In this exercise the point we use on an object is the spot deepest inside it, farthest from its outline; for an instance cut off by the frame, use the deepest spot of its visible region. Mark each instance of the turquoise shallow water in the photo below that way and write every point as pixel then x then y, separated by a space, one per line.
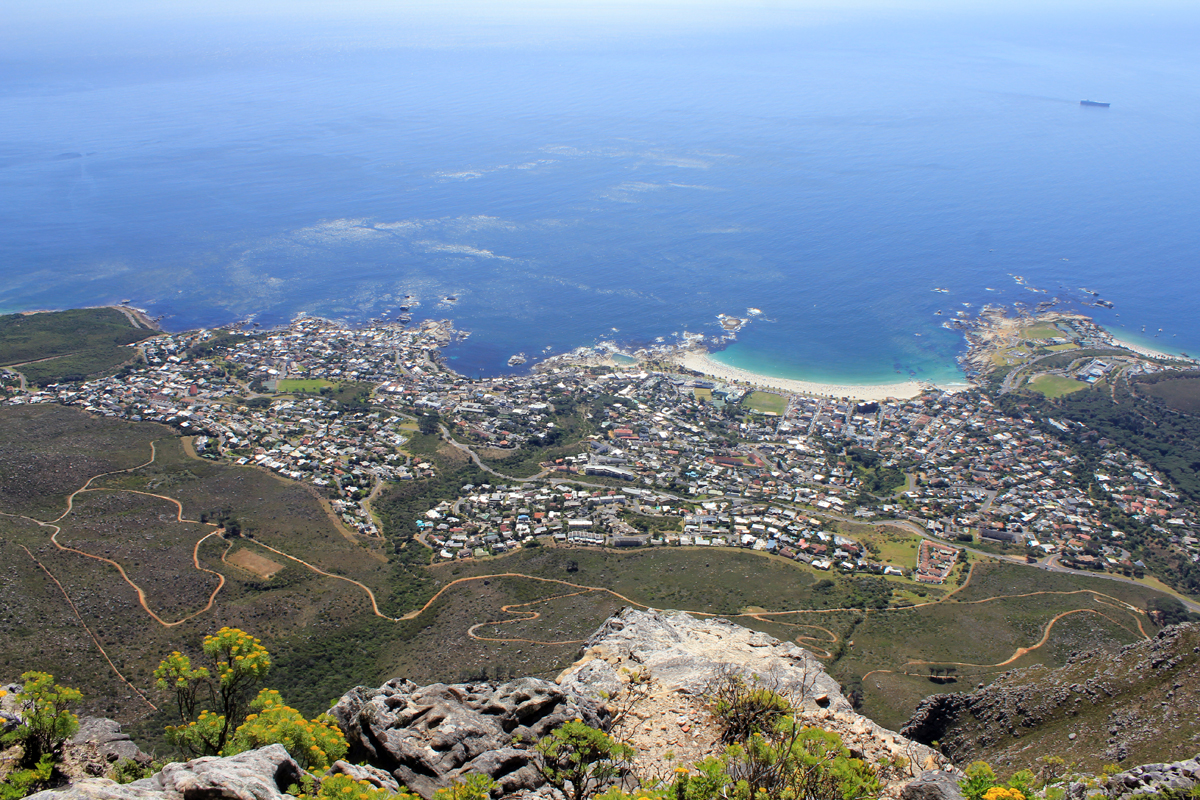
pixel 616 187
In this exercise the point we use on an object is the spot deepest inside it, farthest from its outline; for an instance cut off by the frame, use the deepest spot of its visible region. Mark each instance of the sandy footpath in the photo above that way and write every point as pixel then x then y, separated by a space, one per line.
pixel 702 362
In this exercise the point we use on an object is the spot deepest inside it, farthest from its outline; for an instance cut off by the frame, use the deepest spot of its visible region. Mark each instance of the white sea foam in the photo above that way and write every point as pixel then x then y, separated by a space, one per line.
pixel 335 230
pixel 459 249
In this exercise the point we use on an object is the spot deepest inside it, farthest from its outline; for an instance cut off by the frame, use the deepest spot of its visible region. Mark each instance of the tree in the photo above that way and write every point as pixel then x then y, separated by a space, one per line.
pixel 221 694
pixel 428 423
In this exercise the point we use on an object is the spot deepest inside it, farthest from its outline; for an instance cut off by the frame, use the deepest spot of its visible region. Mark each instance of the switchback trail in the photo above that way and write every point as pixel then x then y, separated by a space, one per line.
pixel 1023 651
pixel 140 593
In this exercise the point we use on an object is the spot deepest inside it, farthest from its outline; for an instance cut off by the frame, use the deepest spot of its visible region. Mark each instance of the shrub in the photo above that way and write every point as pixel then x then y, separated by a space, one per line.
pixel 469 787
pixel 1002 793
pixel 980 778
pixel 46 718
pixel 579 760
pixel 24 782
pixel 743 708
pixel 314 744
pixel 1052 768
pixel 127 771
pixel 343 787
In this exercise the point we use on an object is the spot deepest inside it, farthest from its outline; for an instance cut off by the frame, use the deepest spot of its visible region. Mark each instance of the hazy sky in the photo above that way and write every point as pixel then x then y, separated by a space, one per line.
pixel 37 30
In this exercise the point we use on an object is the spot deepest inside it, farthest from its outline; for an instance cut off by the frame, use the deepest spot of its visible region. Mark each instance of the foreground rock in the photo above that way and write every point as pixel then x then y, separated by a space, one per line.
pixel 263 774
pixel 426 736
pixel 683 654
pixel 97 747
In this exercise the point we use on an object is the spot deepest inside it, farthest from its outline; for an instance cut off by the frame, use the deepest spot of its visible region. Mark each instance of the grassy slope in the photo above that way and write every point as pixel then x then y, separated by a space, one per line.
pixel 294 611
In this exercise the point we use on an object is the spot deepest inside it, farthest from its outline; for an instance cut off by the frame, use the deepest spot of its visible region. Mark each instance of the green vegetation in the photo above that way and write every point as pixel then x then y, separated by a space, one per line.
pixel 289 385
pixel 744 708
pixel 876 477
pixel 315 744
pixel 579 760
pixel 653 525
pixel 212 704
pixel 765 402
pixel 1054 386
pixel 1181 392
pixel 46 723
pixel 78 343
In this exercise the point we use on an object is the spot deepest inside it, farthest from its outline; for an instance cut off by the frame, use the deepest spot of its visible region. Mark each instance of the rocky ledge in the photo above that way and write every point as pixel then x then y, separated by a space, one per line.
pixel 682 654
pixel 1179 778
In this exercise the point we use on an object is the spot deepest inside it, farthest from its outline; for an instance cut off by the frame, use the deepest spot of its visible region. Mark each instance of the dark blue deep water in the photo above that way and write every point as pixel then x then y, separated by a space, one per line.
pixel 568 188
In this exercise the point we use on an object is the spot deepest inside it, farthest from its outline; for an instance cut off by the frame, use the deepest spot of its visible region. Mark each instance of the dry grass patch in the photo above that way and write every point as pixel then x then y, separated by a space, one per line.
pixel 250 561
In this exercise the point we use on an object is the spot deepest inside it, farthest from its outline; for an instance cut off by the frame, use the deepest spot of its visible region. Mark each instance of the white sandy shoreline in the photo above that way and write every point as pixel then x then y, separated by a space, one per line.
pixel 704 363
pixel 1147 351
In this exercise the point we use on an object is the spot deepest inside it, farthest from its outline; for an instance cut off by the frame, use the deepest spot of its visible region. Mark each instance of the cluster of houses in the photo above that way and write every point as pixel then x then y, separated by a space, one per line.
pixel 934 562
pixel 651 444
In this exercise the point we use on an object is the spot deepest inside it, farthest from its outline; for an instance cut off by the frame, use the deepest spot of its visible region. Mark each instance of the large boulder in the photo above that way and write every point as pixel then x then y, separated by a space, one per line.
pixel 97 747
pixel 426 736
pixel 933 784
pixel 683 655
pixel 263 774
pixel 108 740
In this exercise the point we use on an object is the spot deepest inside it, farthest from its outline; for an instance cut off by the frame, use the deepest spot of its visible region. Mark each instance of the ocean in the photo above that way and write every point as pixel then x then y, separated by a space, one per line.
pixel 549 188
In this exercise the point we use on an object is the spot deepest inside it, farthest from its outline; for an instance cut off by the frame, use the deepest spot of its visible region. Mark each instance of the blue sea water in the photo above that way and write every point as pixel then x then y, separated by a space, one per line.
pixel 568 188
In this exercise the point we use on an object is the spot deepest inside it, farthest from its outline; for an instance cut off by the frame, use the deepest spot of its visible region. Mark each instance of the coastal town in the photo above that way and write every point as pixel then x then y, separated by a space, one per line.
pixel 575 454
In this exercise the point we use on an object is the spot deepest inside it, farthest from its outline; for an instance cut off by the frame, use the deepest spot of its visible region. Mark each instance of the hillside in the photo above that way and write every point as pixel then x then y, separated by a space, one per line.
pixel 70 345
pixel 1131 705
pixel 520 614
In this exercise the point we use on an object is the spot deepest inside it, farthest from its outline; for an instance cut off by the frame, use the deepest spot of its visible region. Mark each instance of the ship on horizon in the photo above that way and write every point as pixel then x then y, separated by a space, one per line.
pixel 1095 103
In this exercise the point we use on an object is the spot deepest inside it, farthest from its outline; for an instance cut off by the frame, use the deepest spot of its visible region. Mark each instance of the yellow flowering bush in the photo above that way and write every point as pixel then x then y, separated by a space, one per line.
pixel 1002 793
pixel 468 787
pixel 315 744
pixel 343 787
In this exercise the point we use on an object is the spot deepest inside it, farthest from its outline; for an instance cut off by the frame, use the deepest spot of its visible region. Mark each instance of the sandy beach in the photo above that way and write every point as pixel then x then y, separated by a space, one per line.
pixel 702 362
pixel 1146 351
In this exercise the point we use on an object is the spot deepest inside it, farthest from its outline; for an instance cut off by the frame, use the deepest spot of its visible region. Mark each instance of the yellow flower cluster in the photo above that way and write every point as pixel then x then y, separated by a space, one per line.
pixel 1002 793
pixel 342 787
